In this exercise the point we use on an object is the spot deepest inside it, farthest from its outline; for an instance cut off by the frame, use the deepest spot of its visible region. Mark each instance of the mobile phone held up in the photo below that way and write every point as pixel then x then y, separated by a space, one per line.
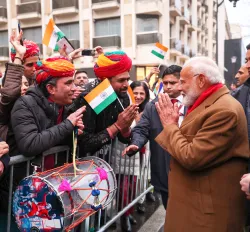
pixel 88 52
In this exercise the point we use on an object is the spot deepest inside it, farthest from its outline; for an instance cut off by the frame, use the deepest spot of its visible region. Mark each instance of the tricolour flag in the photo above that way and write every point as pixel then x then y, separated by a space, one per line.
pixel 101 96
pixel 158 87
pixel 52 35
pixel 159 50
pixel 131 95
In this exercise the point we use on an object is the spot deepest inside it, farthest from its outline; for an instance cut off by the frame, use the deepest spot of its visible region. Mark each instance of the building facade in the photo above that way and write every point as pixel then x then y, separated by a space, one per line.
pixel 186 27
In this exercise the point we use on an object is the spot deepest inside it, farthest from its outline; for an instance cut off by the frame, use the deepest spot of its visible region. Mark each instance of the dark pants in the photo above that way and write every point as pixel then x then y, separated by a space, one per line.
pixel 164 197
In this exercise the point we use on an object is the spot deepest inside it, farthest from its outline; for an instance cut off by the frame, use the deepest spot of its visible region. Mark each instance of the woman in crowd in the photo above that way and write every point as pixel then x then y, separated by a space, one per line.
pixel 128 170
pixel 142 96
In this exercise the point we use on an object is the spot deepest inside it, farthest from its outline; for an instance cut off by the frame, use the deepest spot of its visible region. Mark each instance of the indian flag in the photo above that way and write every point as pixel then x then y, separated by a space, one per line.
pixel 52 35
pixel 101 96
pixel 158 87
pixel 159 50
pixel 131 95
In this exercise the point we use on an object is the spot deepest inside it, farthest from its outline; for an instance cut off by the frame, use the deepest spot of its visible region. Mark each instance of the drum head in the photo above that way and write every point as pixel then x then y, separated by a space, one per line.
pixel 36 206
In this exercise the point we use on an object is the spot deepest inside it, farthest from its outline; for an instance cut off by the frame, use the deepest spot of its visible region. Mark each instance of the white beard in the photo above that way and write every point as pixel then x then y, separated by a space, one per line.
pixel 190 97
pixel 188 100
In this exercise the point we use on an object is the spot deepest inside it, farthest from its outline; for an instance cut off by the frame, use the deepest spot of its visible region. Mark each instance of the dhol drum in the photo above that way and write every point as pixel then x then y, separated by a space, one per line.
pixel 58 200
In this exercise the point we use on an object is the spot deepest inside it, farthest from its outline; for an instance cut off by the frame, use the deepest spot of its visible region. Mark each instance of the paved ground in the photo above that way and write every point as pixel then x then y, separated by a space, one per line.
pixel 153 218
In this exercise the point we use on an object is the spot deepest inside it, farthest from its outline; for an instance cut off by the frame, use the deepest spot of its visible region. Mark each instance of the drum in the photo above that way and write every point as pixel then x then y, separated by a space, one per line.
pixel 57 199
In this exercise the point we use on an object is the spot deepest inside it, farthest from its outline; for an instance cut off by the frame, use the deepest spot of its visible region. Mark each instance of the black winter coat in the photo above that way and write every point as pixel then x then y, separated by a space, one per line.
pixel 33 128
pixel 242 94
pixel 147 129
pixel 95 134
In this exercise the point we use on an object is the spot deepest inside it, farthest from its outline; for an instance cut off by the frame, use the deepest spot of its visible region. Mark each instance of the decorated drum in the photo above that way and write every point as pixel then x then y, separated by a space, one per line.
pixel 59 199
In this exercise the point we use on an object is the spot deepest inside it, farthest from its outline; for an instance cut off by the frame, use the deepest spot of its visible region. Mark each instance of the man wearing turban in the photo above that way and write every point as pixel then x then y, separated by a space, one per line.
pixel 113 121
pixel 40 120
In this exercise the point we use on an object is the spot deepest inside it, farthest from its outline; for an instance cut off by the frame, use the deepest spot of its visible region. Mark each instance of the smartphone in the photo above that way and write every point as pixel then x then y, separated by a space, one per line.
pixel 88 52
pixel 19 30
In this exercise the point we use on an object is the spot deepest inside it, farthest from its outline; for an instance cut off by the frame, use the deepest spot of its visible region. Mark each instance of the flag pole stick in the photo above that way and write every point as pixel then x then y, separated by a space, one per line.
pixel 159 66
pixel 120 102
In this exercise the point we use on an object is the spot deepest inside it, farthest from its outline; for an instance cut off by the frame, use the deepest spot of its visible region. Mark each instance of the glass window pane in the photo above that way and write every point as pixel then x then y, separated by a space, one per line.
pixel 3 3
pixel 4 41
pixel 34 34
pixel 147 23
pixel 140 73
pixel 105 27
pixel 71 30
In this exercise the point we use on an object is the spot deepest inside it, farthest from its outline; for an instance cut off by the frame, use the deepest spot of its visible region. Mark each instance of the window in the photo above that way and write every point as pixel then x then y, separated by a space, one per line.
pixel 147 23
pixel 106 27
pixel 71 30
pixel 3 3
pixel 34 34
pixel 4 41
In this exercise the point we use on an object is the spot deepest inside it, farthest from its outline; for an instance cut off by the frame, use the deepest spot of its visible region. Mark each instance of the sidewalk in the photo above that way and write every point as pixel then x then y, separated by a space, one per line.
pixel 152 220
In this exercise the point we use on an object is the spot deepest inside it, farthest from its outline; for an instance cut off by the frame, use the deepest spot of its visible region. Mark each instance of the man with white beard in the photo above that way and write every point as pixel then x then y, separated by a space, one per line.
pixel 209 153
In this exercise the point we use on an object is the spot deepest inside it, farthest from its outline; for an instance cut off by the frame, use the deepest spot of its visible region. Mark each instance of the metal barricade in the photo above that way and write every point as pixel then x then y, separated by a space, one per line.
pixel 133 174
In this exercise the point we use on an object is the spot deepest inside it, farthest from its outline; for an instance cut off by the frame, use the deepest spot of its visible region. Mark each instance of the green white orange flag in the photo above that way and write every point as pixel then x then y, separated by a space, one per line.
pixel 131 95
pixel 159 50
pixel 52 35
pixel 101 96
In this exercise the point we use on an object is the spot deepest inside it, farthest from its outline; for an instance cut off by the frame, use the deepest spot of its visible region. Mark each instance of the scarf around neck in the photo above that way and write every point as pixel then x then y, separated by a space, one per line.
pixel 212 89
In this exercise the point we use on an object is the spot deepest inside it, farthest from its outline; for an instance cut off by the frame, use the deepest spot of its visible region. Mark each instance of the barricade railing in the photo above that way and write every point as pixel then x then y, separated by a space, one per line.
pixel 132 175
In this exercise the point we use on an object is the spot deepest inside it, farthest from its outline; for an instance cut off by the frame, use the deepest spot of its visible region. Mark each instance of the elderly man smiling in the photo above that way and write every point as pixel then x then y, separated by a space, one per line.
pixel 209 153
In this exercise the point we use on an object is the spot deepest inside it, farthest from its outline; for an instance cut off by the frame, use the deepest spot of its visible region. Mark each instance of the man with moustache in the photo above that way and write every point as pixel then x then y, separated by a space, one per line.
pixel 150 126
pixel 40 121
pixel 209 152
pixel 115 120
pixel 112 121
pixel 81 78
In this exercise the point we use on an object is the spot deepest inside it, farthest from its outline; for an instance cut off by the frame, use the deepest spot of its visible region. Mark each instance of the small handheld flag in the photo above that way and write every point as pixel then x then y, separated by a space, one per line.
pixel 158 87
pixel 159 50
pixel 52 35
pixel 131 95
pixel 101 96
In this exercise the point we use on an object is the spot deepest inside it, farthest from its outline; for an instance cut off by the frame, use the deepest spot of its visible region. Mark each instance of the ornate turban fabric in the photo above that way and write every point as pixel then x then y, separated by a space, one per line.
pixel 32 49
pixel 111 64
pixel 54 67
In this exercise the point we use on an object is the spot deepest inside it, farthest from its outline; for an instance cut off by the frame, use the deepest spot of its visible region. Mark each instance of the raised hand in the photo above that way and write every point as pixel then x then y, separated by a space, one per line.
pixel 78 90
pixel 76 116
pixel 15 41
pixel 168 113
pixel 99 51
pixel 4 148
pixel 75 54
pixel 130 148
pixel 126 117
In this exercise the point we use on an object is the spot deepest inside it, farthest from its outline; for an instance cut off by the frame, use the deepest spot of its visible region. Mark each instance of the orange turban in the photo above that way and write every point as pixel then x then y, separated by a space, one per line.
pixel 54 67
pixel 111 64
pixel 32 49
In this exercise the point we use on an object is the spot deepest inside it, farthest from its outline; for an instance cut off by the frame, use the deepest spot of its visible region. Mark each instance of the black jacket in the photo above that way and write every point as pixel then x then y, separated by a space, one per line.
pixel 95 134
pixel 146 130
pixel 242 94
pixel 33 128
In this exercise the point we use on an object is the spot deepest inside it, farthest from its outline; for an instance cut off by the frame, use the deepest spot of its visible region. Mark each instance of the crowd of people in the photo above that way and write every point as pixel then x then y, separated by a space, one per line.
pixel 196 133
